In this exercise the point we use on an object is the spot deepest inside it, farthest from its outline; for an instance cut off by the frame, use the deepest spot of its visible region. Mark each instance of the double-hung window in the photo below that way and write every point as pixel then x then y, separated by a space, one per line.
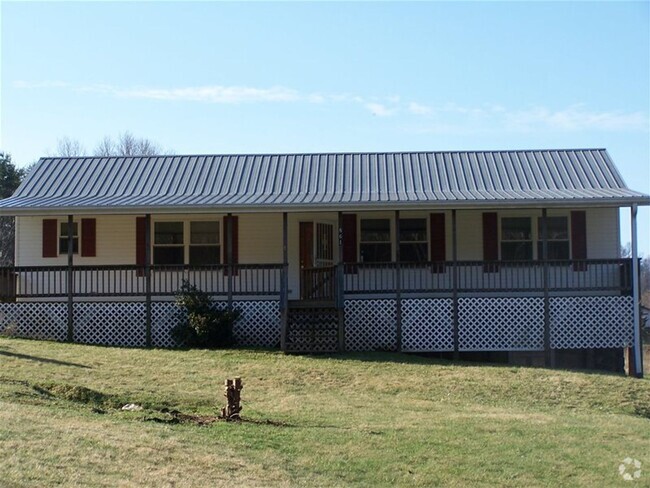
pixel 63 238
pixel 204 243
pixel 196 243
pixel 516 239
pixel 168 243
pixel 557 238
pixel 413 246
pixel 374 244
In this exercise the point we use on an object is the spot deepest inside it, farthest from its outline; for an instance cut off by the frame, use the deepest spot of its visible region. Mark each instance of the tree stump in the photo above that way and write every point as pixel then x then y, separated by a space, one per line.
pixel 232 393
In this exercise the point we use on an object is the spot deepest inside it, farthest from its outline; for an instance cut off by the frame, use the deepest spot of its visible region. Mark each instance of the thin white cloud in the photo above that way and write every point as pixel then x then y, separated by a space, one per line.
pixel 419 109
pixel 444 118
pixel 576 118
pixel 378 109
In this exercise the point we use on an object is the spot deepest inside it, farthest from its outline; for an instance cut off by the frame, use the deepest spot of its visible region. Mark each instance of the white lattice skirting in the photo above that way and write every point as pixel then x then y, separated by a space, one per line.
pixel 427 324
pixel 123 323
pixel 591 322
pixel 485 324
pixel 501 324
pixel 370 325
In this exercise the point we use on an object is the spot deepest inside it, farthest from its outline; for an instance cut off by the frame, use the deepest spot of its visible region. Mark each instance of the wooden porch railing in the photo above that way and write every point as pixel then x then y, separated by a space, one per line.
pixel 594 275
pixel 318 283
pixel 130 281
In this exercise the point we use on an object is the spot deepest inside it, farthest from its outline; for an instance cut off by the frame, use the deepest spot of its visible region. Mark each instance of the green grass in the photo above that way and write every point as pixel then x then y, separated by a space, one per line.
pixel 355 419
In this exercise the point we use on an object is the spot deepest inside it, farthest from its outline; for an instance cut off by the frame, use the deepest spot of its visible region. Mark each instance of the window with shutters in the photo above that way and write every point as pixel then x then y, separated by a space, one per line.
pixel 516 239
pixel 558 238
pixel 204 243
pixel 197 242
pixel 168 243
pixel 413 245
pixel 374 242
pixel 63 238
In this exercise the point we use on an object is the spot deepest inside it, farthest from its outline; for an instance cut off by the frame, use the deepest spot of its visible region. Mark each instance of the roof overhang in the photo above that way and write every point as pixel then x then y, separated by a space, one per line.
pixel 17 211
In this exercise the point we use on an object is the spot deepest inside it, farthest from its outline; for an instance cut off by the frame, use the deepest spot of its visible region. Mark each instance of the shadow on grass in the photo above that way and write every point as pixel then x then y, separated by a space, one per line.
pixel 42 360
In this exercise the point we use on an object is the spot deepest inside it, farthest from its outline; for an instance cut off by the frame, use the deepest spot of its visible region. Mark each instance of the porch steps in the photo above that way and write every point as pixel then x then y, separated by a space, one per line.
pixel 312 326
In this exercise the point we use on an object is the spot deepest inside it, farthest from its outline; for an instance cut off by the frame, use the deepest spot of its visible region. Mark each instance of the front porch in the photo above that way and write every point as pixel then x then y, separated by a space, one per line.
pixel 441 306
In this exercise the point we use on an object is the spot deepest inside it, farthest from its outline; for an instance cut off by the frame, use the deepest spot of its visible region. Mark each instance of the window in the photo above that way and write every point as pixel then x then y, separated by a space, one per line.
pixel 63 238
pixel 204 243
pixel 516 239
pixel 168 241
pixel 413 244
pixel 558 238
pixel 374 244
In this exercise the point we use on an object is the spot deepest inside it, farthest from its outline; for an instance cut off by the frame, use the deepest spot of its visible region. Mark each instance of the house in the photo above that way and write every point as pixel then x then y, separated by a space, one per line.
pixel 513 251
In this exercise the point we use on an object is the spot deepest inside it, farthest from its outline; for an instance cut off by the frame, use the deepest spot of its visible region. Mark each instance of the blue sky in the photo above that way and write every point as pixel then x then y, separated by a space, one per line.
pixel 298 77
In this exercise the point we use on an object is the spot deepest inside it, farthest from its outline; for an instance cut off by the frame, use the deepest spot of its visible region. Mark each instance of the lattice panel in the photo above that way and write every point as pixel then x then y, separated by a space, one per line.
pixel 370 325
pixel 36 320
pixel 427 324
pixel 591 322
pixel 110 323
pixel 259 324
pixel 313 330
pixel 501 324
pixel 164 317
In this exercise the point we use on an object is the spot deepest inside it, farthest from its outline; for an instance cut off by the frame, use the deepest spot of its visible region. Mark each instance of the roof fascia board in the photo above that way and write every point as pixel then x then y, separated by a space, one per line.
pixel 469 205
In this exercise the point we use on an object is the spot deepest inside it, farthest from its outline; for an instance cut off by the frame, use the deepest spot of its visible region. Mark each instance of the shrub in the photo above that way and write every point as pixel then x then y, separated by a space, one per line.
pixel 201 324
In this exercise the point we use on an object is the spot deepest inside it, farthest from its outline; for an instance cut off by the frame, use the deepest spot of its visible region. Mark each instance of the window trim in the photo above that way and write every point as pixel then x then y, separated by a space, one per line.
pixel 426 241
pixel 538 239
pixel 60 224
pixel 187 236
pixel 391 230
pixel 535 235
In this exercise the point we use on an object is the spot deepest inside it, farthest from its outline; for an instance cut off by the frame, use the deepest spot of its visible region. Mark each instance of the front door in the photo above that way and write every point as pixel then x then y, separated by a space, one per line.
pixel 316 251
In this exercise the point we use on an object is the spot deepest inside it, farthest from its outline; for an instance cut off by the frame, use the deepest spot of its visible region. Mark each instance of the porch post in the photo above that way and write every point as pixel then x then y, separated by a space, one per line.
pixel 70 277
pixel 638 356
pixel 284 286
pixel 398 285
pixel 454 282
pixel 340 284
pixel 229 258
pixel 147 277
pixel 548 354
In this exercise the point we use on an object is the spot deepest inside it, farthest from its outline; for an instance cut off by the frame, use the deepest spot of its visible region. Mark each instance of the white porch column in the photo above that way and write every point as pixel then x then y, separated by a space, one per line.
pixel 638 356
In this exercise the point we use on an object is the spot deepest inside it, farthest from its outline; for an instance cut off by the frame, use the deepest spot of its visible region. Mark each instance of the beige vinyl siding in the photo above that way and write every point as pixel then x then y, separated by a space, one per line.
pixel 260 237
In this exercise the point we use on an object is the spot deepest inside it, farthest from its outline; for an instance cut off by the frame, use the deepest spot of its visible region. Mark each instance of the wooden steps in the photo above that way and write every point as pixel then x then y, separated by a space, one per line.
pixel 312 326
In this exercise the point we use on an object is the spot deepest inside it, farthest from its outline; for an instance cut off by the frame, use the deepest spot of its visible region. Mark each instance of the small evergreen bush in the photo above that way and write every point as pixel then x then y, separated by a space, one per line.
pixel 201 324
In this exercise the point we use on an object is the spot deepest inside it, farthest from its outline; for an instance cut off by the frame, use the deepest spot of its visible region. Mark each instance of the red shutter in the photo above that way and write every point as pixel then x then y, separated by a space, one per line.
pixel 579 239
pixel 231 225
pixel 350 241
pixel 89 238
pixel 50 238
pixel 438 242
pixel 490 241
pixel 140 243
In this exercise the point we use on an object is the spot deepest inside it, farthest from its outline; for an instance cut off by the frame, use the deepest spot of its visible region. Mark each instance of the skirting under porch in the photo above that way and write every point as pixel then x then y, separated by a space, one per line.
pixel 427 324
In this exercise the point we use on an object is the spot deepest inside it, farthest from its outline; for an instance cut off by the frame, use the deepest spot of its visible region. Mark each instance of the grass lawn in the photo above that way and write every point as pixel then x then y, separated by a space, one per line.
pixel 354 419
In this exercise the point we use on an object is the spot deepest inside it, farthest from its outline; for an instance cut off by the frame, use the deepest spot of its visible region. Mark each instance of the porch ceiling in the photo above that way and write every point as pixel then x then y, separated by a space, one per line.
pixel 320 182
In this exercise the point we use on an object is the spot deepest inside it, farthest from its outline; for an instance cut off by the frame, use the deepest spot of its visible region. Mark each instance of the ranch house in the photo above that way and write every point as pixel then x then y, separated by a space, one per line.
pixel 502 252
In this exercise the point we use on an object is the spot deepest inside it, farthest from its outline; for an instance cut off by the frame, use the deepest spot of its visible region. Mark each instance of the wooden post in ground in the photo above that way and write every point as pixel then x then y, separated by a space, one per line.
pixel 147 274
pixel 284 285
pixel 398 285
pixel 340 285
pixel 70 280
pixel 454 283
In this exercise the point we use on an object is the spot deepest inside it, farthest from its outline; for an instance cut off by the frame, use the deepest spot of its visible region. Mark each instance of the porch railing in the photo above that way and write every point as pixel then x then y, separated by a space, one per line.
pixel 318 283
pixel 129 280
pixel 594 275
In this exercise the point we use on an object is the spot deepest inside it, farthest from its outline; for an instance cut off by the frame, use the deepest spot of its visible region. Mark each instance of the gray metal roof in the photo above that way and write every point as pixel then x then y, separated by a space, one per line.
pixel 322 181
